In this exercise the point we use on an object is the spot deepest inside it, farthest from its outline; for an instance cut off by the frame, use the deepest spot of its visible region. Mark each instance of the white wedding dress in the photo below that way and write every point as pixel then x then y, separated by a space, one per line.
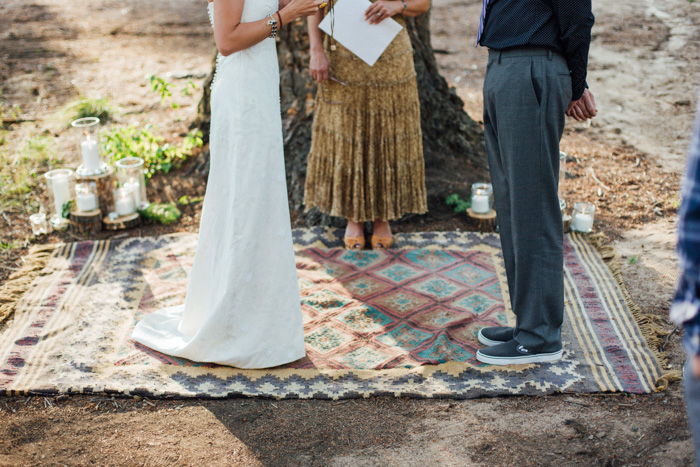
pixel 242 306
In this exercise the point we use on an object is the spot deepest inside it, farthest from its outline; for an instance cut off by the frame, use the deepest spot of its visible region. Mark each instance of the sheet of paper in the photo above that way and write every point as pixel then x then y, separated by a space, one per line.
pixel 353 31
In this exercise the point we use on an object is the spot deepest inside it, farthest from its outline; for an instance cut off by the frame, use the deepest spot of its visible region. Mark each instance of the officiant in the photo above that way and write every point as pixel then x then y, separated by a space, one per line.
pixel 366 158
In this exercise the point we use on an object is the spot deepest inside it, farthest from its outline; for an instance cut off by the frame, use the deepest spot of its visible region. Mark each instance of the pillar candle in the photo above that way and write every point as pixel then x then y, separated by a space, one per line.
pixel 480 204
pixel 135 188
pixel 86 201
pixel 124 203
pixel 61 193
pixel 583 222
pixel 91 154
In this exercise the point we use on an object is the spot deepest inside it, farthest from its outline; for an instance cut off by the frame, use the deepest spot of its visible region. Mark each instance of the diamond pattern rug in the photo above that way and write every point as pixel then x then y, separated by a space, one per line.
pixel 398 308
pixel 401 322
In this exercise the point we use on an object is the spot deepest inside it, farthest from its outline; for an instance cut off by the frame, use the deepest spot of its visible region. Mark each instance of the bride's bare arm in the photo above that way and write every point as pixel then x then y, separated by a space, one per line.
pixel 231 35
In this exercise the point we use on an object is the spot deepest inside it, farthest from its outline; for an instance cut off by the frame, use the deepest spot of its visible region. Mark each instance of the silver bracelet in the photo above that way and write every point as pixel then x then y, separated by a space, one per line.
pixel 272 22
pixel 404 6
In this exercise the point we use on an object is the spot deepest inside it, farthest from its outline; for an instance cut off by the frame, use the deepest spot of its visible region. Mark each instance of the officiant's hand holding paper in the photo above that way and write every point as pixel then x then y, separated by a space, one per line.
pixel 382 9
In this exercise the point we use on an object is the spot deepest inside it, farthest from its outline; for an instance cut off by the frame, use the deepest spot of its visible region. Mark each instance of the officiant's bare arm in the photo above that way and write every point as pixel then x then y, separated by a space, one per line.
pixel 382 9
pixel 318 62
pixel 231 35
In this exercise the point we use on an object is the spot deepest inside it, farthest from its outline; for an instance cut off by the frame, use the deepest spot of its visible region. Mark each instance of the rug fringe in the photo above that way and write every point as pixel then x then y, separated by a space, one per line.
pixel 18 283
pixel 648 324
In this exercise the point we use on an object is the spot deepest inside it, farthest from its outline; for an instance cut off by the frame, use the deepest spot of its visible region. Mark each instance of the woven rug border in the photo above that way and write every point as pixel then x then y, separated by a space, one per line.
pixel 648 323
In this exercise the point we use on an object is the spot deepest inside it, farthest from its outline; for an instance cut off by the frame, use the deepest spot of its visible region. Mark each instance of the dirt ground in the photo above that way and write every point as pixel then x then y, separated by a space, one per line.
pixel 643 72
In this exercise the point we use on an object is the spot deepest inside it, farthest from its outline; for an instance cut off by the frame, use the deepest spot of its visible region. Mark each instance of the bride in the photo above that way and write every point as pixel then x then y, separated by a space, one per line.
pixel 242 306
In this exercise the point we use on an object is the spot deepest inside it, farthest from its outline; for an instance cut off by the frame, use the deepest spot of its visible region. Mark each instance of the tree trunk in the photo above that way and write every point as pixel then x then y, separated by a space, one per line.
pixel 452 142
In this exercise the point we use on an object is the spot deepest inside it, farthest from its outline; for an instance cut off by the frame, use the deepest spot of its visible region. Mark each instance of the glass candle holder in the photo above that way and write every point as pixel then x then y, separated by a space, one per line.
pixel 60 183
pixel 40 226
pixel 124 204
pixel 562 172
pixel 583 216
pixel 482 198
pixel 86 198
pixel 131 176
pixel 87 130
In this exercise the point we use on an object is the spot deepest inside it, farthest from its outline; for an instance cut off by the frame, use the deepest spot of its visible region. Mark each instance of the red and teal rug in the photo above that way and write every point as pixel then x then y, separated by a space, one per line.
pixel 401 322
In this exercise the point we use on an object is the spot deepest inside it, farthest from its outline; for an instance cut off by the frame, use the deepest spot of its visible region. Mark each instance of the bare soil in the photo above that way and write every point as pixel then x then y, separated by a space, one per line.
pixel 643 72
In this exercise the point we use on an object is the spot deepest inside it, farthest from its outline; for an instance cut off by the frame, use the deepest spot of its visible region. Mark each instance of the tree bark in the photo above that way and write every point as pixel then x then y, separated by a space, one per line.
pixel 452 142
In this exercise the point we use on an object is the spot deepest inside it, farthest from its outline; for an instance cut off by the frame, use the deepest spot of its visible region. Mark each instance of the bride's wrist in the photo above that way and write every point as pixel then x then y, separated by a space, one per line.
pixel 279 17
pixel 288 14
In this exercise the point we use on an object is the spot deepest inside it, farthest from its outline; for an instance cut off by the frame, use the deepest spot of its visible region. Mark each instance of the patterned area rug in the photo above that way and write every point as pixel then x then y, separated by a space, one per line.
pixel 401 322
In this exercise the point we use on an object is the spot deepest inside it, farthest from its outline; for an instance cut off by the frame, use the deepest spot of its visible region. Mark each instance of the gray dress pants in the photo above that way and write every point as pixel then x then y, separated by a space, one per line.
pixel 526 94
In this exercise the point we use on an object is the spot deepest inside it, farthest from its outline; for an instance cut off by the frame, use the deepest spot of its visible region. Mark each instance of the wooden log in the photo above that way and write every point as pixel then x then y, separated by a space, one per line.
pixel 86 223
pixel 482 222
pixel 123 222
pixel 104 186
pixel 567 222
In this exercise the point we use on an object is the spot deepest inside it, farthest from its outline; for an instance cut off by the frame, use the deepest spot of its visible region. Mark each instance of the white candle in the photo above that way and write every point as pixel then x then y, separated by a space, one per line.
pixel 86 201
pixel 125 204
pixel 39 224
pixel 61 193
pixel 91 155
pixel 135 188
pixel 583 222
pixel 480 204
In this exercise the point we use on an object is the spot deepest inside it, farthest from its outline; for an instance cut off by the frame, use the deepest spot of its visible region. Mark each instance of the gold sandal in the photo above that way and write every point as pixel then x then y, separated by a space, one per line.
pixel 381 243
pixel 354 243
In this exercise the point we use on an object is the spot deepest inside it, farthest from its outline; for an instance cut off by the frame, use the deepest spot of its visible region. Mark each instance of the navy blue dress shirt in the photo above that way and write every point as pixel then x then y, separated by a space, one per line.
pixel 561 25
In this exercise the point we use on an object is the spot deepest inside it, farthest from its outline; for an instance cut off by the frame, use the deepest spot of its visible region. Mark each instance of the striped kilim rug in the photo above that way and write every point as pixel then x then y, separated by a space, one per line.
pixel 401 322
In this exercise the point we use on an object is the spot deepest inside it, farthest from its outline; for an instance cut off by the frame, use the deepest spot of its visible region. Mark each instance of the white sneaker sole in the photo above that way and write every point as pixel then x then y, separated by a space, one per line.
pixel 520 360
pixel 486 341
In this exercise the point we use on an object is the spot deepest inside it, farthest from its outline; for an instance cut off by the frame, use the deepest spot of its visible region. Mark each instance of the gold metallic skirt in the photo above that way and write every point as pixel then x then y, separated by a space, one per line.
pixel 366 158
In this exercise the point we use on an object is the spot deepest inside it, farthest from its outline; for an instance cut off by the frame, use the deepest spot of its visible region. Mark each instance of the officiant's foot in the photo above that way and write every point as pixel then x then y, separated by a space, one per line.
pixel 381 235
pixel 354 236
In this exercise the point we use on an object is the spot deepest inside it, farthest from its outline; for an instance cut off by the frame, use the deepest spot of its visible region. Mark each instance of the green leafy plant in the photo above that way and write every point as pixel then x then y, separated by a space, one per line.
pixel 162 87
pixel 162 213
pixel 132 141
pixel 66 209
pixel 87 107
pixel 185 200
pixel 633 259
pixel 460 204
pixel 188 88
pixel 6 246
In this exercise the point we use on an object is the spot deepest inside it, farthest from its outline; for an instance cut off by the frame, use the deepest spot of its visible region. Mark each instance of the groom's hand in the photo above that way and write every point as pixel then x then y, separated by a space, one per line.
pixel 583 108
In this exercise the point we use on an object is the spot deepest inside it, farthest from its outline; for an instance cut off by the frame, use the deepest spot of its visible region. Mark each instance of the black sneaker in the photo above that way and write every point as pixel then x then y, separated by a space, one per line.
pixel 495 335
pixel 513 353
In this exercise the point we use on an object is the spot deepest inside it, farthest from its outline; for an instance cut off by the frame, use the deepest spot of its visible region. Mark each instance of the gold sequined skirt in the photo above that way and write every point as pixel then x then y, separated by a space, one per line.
pixel 366 159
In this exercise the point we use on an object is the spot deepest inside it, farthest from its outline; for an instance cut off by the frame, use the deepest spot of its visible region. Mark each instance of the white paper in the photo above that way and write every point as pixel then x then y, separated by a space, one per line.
pixel 353 31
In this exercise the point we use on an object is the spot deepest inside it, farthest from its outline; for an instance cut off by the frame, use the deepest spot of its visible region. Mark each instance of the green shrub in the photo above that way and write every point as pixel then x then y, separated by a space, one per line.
pixel 87 107
pixel 132 141
pixel 161 213
pixel 460 204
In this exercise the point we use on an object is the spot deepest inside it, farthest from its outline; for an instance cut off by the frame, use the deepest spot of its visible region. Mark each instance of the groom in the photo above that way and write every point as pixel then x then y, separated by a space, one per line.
pixel 536 74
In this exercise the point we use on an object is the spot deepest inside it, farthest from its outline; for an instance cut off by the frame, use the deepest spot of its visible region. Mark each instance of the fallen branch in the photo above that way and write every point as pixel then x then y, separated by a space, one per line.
pixel 596 179
pixel 11 121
